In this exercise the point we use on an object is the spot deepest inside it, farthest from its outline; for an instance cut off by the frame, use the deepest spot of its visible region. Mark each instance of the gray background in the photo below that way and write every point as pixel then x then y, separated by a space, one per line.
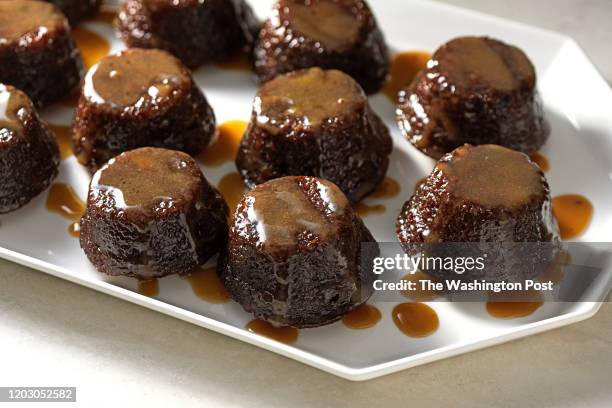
pixel 55 333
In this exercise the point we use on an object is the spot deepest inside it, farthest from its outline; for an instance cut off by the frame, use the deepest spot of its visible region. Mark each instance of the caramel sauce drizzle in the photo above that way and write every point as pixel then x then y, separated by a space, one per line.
pixel 206 285
pixel 74 229
pixel 64 201
pixel 515 309
pixel 402 70
pixel 225 147
pixel 148 287
pixel 92 45
pixel 418 294
pixel 388 188
pixel 415 319
pixel 232 189
pixel 573 213
pixel 362 317
pixel 282 334
pixel 541 161
pixel 364 209
pixel 63 137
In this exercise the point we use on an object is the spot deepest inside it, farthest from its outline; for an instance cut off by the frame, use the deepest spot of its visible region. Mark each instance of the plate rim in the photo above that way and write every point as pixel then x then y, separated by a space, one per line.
pixel 586 311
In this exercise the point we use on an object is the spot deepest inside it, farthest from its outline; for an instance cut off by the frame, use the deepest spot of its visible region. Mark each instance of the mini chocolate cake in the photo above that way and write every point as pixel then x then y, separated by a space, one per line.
pixel 315 123
pixel 481 194
pixel 37 53
pixel 195 31
pixel 78 10
pixel 296 255
pixel 340 34
pixel 150 213
pixel 475 90
pixel 139 98
pixel 29 155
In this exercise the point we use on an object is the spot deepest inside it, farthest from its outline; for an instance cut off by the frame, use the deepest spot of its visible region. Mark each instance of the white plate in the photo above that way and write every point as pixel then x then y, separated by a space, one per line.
pixel 578 105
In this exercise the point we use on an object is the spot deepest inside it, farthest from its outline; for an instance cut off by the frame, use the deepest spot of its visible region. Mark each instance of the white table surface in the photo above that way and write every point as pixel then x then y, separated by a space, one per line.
pixel 55 333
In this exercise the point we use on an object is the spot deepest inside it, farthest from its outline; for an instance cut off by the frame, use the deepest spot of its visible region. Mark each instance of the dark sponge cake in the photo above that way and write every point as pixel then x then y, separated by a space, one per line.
pixel 29 155
pixel 338 34
pixel 77 10
pixel 150 213
pixel 195 31
pixel 37 52
pixel 298 254
pixel 138 98
pixel 315 122
pixel 482 194
pixel 475 90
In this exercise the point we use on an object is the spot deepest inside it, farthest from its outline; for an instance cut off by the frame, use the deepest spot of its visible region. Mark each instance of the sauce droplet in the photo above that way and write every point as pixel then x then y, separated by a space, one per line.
pixel 419 294
pixel 64 201
pixel 389 188
pixel 92 45
pixel 62 135
pixel 148 287
pixel 362 317
pixel 283 334
pixel 541 161
pixel 206 285
pixel 74 229
pixel 516 308
pixel 404 67
pixel 573 213
pixel 364 209
pixel 240 61
pixel 225 146
pixel 415 319
pixel 231 188
pixel 105 16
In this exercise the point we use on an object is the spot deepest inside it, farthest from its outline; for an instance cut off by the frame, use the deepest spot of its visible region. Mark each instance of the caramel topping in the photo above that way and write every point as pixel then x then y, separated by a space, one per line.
pixel 519 304
pixel 63 200
pixel 133 76
pixel 364 209
pixel 63 138
pixel 146 176
pixel 492 176
pixel 231 186
pixel 402 70
pixel 282 334
pixel 14 104
pixel 388 188
pixel 282 210
pixel 225 147
pixel 20 17
pixel 206 285
pixel 362 317
pixel 92 45
pixel 324 21
pixel 573 213
pixel 541 160
pixel 148 287
pixel 415 319
pixel 310 97
pixel 468 61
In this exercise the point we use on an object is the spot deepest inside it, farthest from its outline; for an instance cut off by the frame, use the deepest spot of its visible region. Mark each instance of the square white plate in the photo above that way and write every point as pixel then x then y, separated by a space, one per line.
pixel 578 105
